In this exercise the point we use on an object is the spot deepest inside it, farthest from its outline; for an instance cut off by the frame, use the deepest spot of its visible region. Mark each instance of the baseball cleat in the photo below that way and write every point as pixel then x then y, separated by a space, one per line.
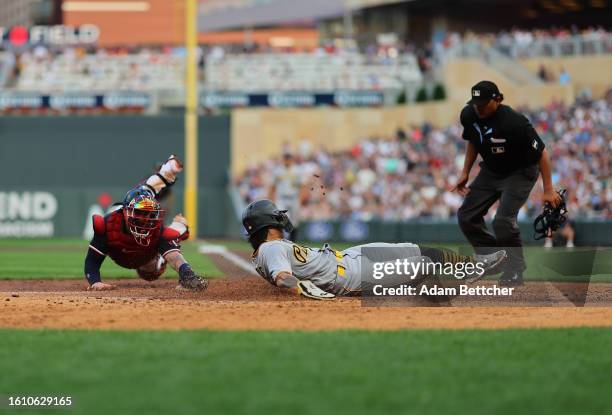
pixel 490 262
pixel 511 279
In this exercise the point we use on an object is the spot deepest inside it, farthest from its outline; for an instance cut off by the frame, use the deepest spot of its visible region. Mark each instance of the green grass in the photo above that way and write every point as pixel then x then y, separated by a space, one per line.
pixel 550 371
pixel 63 258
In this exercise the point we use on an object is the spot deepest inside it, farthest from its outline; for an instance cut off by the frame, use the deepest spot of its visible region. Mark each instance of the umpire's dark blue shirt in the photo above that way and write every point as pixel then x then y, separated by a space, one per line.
pixel 506 140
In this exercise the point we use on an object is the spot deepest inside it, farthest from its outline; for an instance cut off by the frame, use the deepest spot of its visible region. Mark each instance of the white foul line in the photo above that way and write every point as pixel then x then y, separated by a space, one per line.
pixel 230 256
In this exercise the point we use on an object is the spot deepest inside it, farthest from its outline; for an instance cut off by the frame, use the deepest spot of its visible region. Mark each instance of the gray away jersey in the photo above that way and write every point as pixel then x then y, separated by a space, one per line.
pixel 313 264
pixel 320 265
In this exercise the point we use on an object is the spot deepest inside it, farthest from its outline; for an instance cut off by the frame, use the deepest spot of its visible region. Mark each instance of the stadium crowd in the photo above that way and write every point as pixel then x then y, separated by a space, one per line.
pixel 222 68
pixel 318 70
pixel 407 176
pixel 519 43
pixel 95 69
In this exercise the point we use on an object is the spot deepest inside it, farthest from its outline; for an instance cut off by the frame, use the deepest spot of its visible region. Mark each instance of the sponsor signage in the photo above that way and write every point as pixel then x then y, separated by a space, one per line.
pixel 113 101
pixel 59 35
pixel 27 214
pixel 125 100
pixel 292 99
pixel 354 231
pixel 319 231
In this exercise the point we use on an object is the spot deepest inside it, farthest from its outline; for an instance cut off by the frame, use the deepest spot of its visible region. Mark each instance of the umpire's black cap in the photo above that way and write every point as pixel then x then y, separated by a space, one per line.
pixel 483 92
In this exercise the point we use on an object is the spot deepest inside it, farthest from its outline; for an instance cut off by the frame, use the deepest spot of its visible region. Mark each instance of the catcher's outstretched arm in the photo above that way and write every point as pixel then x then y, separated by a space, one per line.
pixel 93 263
pixel 166 175
pixel 305 288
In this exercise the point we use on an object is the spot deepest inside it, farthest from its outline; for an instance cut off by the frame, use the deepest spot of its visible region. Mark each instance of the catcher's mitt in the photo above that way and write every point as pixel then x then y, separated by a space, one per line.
pixel 551 219
pixel 188 280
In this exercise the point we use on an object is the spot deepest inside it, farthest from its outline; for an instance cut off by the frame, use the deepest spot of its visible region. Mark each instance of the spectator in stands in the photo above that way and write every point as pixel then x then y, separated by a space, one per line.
pixel 543 73
pixel 565 236
pixel 81 69
pixel 564 77
pixel 519 43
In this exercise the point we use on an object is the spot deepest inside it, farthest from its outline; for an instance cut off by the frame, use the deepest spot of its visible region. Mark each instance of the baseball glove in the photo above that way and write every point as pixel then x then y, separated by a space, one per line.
pixel 551 219
pixel 191 282
pixel 308 289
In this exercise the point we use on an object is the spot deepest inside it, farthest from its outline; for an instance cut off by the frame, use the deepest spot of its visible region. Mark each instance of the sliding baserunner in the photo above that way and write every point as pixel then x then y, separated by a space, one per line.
pixel 324 273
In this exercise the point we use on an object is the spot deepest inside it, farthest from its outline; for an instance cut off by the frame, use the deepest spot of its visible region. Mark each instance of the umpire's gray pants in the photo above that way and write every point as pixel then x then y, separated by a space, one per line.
pixel 512 191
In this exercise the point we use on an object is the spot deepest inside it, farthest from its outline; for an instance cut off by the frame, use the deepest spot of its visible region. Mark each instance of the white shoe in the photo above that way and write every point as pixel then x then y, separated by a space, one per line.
pixel 569 244
pixel 489 262
pixel 548 243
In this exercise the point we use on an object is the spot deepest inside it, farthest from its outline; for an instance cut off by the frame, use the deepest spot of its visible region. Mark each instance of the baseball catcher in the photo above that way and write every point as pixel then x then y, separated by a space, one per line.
pixel 134 235
pixel 325 273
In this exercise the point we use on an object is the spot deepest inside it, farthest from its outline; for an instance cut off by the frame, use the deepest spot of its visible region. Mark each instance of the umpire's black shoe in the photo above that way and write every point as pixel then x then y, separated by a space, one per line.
pixel 511 279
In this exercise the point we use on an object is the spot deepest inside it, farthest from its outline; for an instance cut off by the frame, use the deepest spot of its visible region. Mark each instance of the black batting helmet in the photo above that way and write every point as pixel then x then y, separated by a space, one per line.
pixel 264 213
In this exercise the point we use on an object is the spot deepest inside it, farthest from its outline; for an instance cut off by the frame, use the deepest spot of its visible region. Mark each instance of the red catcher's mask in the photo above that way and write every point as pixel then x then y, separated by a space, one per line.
pixel 143 215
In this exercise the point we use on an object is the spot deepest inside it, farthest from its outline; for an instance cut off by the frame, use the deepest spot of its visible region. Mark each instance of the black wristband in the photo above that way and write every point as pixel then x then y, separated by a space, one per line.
pixel 150 188
pixel 163 179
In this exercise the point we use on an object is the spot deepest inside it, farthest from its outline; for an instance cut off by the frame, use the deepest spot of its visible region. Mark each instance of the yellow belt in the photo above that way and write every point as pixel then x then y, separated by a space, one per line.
pixel 340 269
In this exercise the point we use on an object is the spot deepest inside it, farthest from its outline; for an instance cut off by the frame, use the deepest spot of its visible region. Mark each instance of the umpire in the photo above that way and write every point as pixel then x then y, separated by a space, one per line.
pixel 512 157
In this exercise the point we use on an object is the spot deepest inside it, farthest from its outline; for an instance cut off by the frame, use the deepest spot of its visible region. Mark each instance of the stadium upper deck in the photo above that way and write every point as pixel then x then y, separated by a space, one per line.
pixel 375 68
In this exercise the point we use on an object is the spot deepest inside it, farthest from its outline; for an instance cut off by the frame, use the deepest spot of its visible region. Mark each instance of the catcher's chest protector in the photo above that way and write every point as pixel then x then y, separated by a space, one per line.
pixel 122 246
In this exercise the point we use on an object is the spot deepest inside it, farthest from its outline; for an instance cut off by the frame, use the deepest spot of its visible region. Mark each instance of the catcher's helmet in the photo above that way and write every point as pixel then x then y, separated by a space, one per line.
pixel 142 214
pixel 264 213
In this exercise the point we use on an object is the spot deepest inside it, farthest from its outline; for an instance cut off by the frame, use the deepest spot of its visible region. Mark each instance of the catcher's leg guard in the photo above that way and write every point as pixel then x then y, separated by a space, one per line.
pixel 153 269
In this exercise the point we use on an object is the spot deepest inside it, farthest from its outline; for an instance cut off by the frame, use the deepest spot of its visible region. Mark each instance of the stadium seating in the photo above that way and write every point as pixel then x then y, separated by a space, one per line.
pixel 7 64
pixel 74 70
pixel 309 71
pixel 529 43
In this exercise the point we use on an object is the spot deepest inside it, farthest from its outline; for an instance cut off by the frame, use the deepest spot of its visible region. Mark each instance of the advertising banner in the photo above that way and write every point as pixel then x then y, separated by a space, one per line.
pixel 58 35
pixel 73 101
pixel 292 99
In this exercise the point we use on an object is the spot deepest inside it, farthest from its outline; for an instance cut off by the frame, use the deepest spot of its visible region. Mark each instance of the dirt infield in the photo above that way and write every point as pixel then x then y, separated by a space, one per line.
pixel 252 304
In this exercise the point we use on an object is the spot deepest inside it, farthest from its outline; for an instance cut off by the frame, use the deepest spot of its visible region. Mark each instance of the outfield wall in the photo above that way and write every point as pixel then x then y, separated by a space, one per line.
pixel 55 171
